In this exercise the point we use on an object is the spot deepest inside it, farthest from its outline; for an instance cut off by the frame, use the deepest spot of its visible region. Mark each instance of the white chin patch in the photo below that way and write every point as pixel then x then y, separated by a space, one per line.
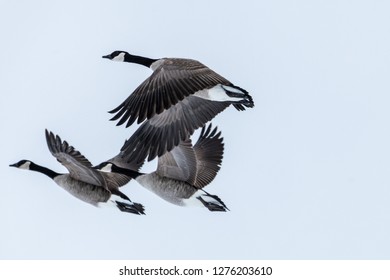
pixel 120 57
pixel 107 168
pixel 25 165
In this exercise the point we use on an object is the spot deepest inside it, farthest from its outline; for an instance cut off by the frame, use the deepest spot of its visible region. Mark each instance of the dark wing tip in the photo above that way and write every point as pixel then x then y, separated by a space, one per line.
pixel 210 134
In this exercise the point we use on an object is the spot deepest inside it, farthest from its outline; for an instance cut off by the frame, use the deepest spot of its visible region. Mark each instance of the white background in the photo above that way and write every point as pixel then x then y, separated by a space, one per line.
pixel 305 172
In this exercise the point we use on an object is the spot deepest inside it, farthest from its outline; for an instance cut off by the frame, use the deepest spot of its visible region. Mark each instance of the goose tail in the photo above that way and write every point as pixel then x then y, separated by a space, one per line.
pixel 245 99
pixel 212 202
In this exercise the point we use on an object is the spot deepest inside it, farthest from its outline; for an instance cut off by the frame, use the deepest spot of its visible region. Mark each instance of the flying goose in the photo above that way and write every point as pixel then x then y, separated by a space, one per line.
pixel 82 181
pixel 180 96
pixel 183 172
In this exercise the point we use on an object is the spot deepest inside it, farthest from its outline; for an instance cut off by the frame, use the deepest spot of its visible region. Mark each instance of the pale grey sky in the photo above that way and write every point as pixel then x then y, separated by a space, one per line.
pixel 305 173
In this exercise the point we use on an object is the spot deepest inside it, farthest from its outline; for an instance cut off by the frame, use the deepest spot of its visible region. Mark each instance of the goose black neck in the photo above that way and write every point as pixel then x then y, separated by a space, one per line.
pixel 44 170
pixel 128 172
pixel 139 60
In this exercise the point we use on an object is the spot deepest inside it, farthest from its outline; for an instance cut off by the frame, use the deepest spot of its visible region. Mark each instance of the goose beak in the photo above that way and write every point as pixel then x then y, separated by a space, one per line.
pixel 13 165
pixel 107 56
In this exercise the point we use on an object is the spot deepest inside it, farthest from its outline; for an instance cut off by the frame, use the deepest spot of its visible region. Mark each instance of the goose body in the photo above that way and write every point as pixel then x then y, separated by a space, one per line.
pixel 182 173
pixel 83 182
pixel 180 96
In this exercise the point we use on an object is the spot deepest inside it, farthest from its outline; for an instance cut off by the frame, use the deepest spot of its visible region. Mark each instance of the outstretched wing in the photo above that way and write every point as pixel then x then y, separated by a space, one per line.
pixel 197 165
pixel 179 164
pixel 163 132
pixel 79 167
pixel 209 153
pixel 170 83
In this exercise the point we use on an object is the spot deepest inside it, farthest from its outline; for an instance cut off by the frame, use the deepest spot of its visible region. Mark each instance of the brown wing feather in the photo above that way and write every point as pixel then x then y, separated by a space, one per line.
pixel 179 164
pixel 209 153
pixel 78 166
pixel 163 132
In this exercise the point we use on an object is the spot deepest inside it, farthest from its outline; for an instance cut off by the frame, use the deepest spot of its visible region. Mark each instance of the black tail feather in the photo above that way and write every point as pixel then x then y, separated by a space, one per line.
pixel 246 101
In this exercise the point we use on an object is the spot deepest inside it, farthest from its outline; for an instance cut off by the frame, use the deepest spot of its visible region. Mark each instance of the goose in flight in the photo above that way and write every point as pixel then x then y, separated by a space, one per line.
pixel 183 172
pixel 82 181
pixel 179 97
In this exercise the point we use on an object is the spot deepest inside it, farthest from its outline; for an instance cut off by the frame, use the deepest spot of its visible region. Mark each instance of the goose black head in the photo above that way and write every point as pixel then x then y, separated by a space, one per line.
pixel 104 166
pixel 117 56
pixel 22 164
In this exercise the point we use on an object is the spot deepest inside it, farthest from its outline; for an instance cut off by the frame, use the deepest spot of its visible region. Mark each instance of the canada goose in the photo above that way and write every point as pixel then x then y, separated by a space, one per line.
pixel 180 96
pixel 183 172
pixel 82 181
